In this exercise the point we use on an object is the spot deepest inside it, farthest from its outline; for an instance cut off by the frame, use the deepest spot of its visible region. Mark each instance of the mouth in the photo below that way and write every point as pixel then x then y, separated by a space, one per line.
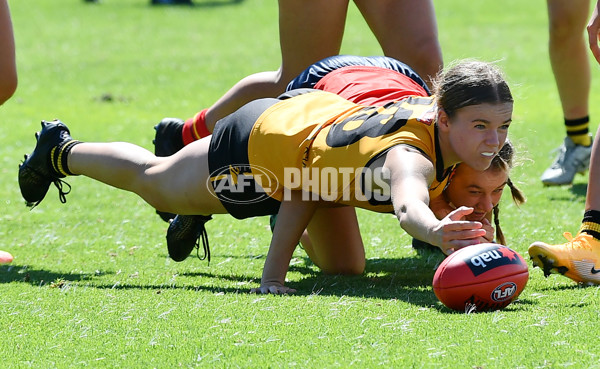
pixel 488 154
pixel 476 217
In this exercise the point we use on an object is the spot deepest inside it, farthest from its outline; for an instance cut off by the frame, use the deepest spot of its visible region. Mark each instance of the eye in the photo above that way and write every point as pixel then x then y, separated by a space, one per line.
pixel 504 127
pixel 480 126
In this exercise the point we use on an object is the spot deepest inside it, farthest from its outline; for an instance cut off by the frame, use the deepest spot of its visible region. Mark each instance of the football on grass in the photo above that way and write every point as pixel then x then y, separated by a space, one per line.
pixel 482 277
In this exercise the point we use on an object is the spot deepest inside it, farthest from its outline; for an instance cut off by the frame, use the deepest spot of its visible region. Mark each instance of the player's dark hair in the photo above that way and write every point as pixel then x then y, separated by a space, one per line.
pixel 504 162
pixel 470 82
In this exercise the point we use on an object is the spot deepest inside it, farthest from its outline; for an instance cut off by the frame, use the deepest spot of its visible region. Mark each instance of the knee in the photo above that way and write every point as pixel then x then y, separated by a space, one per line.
pixel 283 76
pixel 289 71
pixel 426 58
pixel 564 29
pixel 356 267
pixel 154 198
pixel 154 188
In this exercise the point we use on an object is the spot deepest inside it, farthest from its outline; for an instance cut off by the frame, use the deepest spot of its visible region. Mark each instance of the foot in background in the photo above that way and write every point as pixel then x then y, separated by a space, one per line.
pixel 578 258
pixel 167 141
pixel 571 159
pixel 184 234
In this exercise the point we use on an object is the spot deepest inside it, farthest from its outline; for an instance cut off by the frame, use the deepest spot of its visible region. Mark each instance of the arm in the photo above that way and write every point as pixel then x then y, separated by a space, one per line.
pixel 410 175
pixel 593 29
pixel 293 217
pixel 8 69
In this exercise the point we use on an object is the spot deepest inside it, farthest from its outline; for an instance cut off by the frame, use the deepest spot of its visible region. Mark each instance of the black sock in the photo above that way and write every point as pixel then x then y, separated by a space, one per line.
pixel 58 157
pixel 578 130
pixel 591 223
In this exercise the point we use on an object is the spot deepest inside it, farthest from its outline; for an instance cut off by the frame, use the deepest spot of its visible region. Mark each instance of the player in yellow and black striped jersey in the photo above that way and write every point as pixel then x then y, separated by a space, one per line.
pixel 377 81
pixel 468 122
pixel 341 134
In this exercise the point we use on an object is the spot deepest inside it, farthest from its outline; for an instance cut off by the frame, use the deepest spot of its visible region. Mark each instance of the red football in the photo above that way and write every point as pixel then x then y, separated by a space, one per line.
pixel 482 277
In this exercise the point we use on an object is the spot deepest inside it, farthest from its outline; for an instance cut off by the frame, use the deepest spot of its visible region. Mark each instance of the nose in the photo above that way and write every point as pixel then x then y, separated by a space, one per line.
pixel 485 203
pixel 493 139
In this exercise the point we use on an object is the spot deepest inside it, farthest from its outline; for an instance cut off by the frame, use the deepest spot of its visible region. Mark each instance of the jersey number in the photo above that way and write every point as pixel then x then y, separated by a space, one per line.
pixel 368 122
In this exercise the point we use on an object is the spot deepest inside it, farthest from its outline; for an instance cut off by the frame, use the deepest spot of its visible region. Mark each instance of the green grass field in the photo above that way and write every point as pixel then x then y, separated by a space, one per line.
pixel 92 285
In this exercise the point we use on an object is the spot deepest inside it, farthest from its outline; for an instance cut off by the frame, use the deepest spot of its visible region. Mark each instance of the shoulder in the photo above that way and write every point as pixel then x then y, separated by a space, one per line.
pixel 409 160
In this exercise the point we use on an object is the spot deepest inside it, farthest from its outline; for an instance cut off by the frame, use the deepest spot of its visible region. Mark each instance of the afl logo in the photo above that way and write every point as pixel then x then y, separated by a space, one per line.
pixel 504 291
pixel 242 183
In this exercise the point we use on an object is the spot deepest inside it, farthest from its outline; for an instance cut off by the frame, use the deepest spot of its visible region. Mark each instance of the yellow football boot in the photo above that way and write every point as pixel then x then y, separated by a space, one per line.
pixel 578 258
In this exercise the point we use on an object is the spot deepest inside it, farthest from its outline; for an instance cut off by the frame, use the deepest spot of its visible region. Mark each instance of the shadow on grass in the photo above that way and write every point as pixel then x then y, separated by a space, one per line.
pixel 39 277
pixel 579 189
pixel 407 279
pixel 565 286
pixel 199 4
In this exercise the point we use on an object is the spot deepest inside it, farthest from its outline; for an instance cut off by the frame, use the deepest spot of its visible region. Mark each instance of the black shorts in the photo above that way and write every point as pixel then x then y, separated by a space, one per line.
pixel 228 160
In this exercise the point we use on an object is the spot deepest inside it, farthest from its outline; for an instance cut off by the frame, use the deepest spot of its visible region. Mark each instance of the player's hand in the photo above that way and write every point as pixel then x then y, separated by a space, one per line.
pixel 274 288
pixel 489 231
pixel 457 233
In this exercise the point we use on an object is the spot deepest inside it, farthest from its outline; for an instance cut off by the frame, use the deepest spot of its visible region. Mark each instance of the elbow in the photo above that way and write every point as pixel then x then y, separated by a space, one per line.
pixel 401 214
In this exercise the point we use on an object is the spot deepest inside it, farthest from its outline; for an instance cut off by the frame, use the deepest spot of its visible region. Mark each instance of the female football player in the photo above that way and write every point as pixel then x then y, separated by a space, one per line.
pixel 376 81
pixel 482 192
pixel 264 158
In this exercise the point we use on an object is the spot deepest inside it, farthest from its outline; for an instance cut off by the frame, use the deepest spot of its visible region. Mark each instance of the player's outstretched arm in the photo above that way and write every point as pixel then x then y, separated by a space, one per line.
pixel 293 217
pixel 410 175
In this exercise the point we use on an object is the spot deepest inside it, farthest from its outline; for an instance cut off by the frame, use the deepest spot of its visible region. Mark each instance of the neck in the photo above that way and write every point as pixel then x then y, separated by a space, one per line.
pixel 449 157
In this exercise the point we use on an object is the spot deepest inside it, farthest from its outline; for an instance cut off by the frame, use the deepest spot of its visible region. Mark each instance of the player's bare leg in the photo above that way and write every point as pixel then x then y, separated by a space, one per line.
pixel 334 243
pixel 415 21
pixel 177 183
pixel 570 64
pixel 308 32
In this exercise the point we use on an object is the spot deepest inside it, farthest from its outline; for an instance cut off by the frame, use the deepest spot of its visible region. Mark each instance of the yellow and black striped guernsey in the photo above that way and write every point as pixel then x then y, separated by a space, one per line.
pixel 320 130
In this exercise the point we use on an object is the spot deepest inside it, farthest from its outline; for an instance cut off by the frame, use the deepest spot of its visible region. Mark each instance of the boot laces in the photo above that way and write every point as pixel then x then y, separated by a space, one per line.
pixel 203 237
pixel 62 195
pixel 58 183
pixel 580 241
pixel 561 155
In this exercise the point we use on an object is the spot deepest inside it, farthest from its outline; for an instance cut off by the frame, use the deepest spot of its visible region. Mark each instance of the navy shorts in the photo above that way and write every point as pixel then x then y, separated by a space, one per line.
pixel 311 75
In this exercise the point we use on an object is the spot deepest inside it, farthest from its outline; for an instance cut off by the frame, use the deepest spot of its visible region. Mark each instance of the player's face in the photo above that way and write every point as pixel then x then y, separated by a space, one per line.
pixel 477 132
pixel 479 190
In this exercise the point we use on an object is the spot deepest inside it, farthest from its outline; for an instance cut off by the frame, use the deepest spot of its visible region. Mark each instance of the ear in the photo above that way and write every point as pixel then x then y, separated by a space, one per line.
pixel 443 121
